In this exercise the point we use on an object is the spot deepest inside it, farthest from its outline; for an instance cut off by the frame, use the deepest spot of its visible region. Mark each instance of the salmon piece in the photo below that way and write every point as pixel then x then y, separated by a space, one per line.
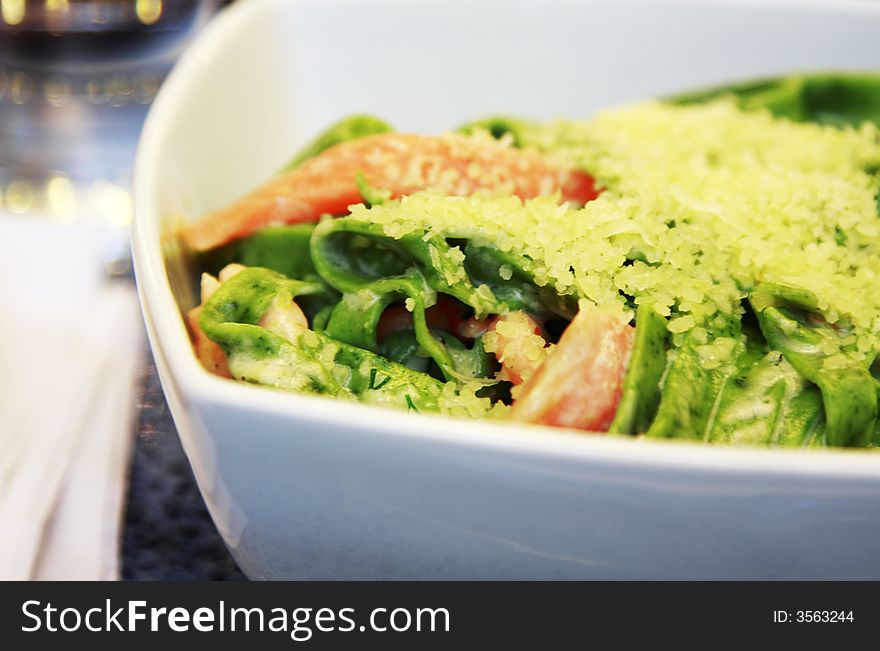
pixel 209 353
pixel 400 163
pixel 580 383
pixel 284 318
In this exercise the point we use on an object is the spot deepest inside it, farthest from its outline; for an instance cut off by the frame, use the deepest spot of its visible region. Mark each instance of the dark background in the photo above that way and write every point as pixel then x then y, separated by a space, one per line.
pixel 167 532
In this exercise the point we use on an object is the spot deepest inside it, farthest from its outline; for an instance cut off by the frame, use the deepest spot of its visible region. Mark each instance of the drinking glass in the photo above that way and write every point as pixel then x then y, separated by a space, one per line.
pixel 76 81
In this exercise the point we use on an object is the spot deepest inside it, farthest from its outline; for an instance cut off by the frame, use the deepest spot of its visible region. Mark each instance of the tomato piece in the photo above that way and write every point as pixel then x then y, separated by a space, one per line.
pixel 395 318
pixel 446 314
pixel 580 383
pixel 400 163
pixel 519 345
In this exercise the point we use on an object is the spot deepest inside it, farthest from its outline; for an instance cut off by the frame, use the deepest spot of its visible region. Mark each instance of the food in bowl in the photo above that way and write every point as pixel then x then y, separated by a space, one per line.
pixel 703 268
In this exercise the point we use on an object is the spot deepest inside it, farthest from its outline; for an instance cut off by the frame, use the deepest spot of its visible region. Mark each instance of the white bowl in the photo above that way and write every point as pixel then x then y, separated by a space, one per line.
pixel 305 487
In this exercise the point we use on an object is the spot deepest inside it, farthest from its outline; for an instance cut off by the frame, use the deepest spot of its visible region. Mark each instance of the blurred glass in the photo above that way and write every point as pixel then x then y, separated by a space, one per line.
pixel 76 81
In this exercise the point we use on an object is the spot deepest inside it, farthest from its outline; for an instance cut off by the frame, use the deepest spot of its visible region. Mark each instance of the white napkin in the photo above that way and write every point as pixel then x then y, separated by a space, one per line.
pixel 70 340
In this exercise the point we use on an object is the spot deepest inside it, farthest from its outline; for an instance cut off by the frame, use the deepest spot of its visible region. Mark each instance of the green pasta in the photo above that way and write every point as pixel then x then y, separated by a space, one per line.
pixel 311 362
pixel 792 325
pixel 641 389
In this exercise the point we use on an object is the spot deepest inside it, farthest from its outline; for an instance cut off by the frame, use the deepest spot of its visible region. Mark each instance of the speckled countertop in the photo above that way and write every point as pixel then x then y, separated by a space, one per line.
pixel 167 532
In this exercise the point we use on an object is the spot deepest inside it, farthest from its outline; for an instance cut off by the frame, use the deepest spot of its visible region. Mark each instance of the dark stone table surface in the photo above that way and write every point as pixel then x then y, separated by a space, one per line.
pixel 167 532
